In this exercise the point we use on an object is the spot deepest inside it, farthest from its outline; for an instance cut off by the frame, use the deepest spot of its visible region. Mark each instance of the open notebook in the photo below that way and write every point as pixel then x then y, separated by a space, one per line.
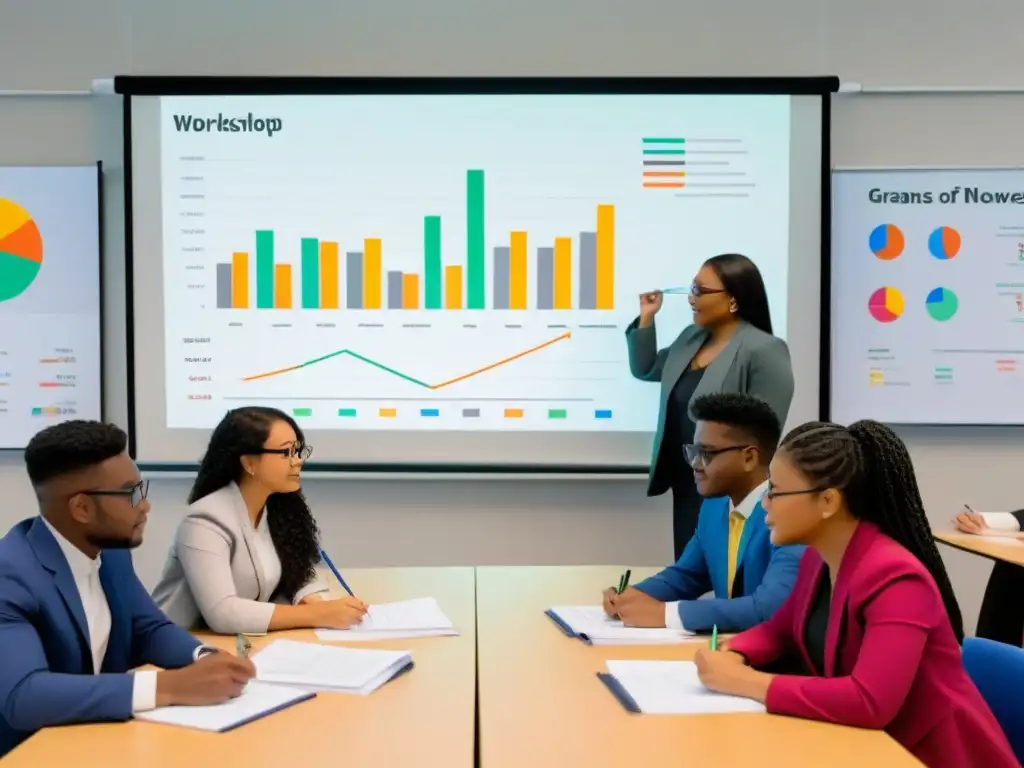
pixel 591 625
pixel 257 701
pixel 668 688
pixel 421 617
pixel 330 668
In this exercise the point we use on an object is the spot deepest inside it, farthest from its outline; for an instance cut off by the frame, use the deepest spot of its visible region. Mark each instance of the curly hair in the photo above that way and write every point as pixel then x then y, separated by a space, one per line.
pixel 71 446
pixel 296 536
pixel 745 413
pixel 869 463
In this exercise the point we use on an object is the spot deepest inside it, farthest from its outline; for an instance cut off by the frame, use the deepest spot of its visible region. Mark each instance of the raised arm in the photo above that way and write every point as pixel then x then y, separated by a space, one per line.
pixel 646 361
pixel 742 613
pixel 771 377
pixel 897 623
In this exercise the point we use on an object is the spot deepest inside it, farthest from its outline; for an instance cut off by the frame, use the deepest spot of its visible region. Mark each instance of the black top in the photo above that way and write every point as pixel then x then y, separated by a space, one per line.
pixel 817 624
pixel 679 428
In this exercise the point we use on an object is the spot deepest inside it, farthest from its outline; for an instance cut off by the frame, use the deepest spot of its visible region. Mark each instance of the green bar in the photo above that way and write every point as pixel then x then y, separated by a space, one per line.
pixel 475 291
pixel 264 269
pixel 431 262
pixel 346 412
pixel 664 141
pixel 310 273
pixel 664 151
pixel 557 413
pixel 299 412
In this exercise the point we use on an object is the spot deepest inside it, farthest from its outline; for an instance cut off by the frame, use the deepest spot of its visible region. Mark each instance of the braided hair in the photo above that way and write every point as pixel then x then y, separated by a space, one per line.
pixel 243 432
pixel 869 463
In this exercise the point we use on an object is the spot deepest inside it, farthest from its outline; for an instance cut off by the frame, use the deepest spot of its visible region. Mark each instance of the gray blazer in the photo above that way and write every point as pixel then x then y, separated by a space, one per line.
pixel 752 363
pixel 217 570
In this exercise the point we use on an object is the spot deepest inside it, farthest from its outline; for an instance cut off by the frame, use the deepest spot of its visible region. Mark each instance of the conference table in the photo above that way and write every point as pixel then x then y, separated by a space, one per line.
pixel 542 705
pixel 1009 549
pixel 423 718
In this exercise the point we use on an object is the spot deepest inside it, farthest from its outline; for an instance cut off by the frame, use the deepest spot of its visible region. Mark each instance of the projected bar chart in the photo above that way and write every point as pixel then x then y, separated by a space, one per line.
pixel 368 285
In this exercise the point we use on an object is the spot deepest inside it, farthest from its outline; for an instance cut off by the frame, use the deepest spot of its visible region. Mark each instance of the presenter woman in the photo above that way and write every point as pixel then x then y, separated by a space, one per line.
pixel 728 348
pixel 244 558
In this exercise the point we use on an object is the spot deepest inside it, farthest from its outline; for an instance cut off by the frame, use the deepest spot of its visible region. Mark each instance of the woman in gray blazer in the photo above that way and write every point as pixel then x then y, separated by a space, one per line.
pixel 244 559
pixel 728 348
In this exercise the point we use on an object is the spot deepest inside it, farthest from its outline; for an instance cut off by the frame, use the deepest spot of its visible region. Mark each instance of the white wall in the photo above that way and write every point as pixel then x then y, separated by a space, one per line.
pixel 63 44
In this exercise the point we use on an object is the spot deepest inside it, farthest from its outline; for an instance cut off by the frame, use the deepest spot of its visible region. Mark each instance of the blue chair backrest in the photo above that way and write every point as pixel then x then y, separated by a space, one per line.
pixel 997 670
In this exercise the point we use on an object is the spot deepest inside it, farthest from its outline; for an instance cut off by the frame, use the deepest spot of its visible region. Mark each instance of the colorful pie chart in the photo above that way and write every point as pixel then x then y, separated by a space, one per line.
pixel 941 304
pixel 944 243
pixel 886 241
pixel 21 250
pixel 886 304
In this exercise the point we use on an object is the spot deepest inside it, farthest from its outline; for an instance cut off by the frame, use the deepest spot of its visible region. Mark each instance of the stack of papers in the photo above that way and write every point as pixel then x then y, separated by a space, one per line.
pixel 669 688
pixel 421 617
pixel 592 625
pixel 332 668
pixel 257 700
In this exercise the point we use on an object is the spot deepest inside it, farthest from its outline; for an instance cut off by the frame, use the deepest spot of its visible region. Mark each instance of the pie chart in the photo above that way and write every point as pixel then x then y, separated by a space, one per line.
pixel 941 304
pixel 944 243
pixel 886 241
pixel 21 250
pixel 886 304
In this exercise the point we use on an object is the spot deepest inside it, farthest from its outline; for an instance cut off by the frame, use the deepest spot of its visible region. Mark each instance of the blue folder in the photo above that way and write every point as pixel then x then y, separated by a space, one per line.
pixel 566 629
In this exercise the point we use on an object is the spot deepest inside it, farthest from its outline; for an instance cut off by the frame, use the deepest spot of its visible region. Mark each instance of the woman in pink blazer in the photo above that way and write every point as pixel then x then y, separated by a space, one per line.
pixel 872 617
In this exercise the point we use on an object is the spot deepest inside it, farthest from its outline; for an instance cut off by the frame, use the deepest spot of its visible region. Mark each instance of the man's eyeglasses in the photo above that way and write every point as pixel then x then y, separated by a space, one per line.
pixel 302 452
pixel 698 456
pixel 135 494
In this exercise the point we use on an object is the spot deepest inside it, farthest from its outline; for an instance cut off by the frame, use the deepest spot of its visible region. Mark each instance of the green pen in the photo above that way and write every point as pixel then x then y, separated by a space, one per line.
pixel 624 581
pixel 714 638
pixel 242 646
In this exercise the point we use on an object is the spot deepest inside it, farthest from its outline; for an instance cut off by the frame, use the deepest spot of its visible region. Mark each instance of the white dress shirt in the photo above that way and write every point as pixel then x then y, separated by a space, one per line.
pixel 745 507
pixel 1001 521
pixel 86 573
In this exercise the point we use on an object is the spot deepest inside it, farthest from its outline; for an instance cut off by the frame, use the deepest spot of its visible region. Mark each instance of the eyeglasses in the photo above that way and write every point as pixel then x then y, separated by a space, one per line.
pixel 302 452
pixel 703 290
pixel 135 494
pixel 771 493
pixel 698 456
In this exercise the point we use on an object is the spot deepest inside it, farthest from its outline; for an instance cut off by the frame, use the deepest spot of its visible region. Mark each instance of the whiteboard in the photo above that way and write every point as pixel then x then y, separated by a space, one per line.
pixel 928 296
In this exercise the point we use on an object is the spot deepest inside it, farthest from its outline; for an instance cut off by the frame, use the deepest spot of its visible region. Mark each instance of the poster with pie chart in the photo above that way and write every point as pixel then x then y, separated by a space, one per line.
pixel 927 296
pixel 49 298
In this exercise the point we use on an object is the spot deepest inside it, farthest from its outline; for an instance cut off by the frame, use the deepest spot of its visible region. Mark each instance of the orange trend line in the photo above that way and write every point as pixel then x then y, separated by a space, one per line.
pixel 492 366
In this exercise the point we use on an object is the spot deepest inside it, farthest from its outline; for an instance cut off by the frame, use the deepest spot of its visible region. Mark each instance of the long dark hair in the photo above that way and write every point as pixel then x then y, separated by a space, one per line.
pixel 742 280
pixel 869 463
pixel 243 432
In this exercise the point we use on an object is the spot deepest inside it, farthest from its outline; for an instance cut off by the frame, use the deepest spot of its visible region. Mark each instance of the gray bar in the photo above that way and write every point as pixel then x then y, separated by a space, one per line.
pixel 501 277
pixel 394 290
pixel 545 278
pixel 471 413
pixel 223 286
pixel 588 270
pixel 354 280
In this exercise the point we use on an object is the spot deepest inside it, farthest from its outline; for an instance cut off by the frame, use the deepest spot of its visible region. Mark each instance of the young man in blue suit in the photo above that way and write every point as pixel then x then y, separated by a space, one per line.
pixel 731 553
pixel 74 617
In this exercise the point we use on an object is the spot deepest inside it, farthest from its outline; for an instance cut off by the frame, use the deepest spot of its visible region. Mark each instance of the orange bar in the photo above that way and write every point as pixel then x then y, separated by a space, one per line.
pixel 371 273
pixel 240 280
pixel 410 291
pixel 563 273
pixel 517 271
pixel 453 287
pixel 387 413
pixel 282 286
pixel 664 184
pixel 606 257
pixel 330 286
pixel 513 413
pixel 665 174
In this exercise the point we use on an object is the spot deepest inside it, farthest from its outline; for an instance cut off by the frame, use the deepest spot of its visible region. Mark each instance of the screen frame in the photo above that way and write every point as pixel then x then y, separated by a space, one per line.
pixel 131 85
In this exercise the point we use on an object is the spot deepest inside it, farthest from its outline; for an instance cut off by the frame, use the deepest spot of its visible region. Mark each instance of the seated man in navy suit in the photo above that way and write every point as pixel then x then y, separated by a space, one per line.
pixel 731 552
pixel 74 617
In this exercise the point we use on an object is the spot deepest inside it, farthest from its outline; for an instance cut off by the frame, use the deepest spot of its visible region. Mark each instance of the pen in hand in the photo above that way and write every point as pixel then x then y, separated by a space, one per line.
pixel 714 637
pixel 242 646
pixel 624 581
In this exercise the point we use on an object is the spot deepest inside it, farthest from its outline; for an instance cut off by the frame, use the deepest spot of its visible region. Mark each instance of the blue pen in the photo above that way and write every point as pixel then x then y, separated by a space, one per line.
pixel 677 289
pixel 336 572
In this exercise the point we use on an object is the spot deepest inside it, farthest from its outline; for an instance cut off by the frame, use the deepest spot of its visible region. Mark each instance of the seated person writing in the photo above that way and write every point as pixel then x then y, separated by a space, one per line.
pixel 872 615
pixel 1002 609
pixel 731 552
pixel 244 558
pixel 74 618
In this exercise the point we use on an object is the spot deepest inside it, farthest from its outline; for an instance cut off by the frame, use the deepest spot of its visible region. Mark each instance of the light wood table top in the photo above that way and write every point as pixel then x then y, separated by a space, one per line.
pixel 542 705
pixel 423 718
pixel 1009 549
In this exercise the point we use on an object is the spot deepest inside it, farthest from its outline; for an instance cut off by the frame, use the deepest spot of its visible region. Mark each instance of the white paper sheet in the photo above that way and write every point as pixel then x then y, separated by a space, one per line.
pixel 421 617
pixel 258 699
pixel 673 688
pixel 592 622
pixel 315 667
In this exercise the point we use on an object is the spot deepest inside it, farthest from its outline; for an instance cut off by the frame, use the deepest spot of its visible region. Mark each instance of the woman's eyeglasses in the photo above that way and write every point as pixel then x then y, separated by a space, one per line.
pixel 302 452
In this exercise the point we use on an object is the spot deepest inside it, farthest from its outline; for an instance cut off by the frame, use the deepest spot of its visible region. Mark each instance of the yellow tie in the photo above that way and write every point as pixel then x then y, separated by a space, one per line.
pixel 736 522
